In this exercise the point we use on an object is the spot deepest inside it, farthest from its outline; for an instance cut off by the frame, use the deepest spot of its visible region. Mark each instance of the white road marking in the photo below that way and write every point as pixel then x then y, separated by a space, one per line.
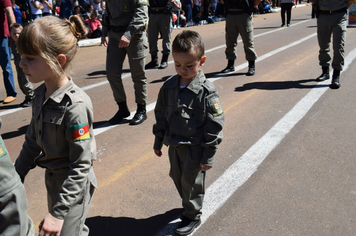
pixel 239 172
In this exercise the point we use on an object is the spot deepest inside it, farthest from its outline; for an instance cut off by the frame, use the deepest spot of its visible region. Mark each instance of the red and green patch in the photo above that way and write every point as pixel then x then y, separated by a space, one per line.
pixel 80 132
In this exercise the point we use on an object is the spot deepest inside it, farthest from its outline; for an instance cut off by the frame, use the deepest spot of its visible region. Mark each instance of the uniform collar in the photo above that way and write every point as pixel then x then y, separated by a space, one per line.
pixel 196 83
pixel 59 94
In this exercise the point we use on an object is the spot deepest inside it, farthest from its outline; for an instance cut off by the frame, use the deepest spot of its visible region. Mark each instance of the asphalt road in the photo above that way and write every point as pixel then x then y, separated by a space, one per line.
pixel 286 165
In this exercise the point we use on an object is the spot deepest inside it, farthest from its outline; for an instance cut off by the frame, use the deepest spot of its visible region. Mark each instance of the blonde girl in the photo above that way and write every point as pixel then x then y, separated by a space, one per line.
pixel 60 136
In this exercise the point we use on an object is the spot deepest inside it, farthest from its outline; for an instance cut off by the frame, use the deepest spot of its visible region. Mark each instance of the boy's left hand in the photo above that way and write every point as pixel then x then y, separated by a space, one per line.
pixel 205 167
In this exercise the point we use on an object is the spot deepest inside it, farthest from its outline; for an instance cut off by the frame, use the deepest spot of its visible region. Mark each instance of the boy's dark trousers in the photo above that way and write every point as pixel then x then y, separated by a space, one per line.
pixel 188 178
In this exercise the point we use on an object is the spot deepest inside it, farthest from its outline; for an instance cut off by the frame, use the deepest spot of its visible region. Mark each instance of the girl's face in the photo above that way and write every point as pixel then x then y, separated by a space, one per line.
pixel 36 68
pixel 187 64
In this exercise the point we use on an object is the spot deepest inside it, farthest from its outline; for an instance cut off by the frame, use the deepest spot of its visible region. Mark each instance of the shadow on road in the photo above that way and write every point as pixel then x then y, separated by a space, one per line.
pixel 20 131
pixel 279 85
pixel 111 226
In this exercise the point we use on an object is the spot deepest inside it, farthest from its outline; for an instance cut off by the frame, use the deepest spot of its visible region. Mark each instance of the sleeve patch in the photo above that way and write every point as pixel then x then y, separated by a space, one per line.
pixel 80 132
pixel 215 106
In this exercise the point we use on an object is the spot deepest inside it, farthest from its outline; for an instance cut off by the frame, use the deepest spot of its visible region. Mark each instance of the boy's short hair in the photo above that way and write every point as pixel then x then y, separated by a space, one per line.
pixel 189 41
pixel 15 26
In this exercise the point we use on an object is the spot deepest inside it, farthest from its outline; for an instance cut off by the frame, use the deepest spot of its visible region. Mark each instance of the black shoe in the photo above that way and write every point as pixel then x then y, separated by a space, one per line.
pixel 187 226
pixel 138 118
pixel 251 71
pixel 228 69
pixel 119 116
pixel 26 103
pixel 335 83
pixel 288 25
pixel 152 65
pixel 282 25
pixel 163 65
pixel 323 76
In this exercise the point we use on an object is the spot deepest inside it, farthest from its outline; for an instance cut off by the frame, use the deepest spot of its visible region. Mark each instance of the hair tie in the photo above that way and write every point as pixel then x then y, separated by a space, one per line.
pixel 72 28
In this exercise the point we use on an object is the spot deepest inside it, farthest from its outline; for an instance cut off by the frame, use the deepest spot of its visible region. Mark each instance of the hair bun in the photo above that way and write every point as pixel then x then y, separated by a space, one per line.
pixel 77 26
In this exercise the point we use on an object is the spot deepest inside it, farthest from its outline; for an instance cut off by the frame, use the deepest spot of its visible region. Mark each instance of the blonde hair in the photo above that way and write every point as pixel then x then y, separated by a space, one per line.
pixel 16 26
pixel 50 36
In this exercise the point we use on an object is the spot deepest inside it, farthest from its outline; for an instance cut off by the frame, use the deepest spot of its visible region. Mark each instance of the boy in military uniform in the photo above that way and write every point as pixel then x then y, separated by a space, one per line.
pixel 189 119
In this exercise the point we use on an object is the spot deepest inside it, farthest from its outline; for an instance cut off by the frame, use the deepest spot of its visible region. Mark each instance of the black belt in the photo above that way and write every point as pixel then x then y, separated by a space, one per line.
pixel 342 10
pixel 236 12
pixel 119 29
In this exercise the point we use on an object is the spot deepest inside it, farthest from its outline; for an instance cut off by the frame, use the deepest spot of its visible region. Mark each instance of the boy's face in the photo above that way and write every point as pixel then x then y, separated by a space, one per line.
pixel 187 64
pixel 15 34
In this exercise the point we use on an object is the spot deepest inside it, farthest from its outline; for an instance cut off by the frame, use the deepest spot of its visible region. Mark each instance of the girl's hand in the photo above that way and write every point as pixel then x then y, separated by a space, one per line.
pixel 205 167
pixel 158 152
pixel 50 225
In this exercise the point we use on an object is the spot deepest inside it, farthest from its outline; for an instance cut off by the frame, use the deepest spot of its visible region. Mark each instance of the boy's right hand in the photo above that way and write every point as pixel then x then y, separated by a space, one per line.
pixel 158 152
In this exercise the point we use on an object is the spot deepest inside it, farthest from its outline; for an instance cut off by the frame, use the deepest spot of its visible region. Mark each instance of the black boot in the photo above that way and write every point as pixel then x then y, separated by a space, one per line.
pixel 230 66
pixel 140 115
pixel 164 62
pixel 251 68
pixel 121 114
pixel 153 64
pixel 325 74
pixel 187 226
pixel 335 82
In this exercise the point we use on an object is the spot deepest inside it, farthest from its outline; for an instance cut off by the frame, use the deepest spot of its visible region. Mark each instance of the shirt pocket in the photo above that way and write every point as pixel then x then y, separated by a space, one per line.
pixel 189 120
pixel 52 123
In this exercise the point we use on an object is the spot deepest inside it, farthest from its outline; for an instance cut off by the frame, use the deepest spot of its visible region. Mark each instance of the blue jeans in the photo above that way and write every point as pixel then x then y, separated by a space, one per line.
pixel 5 61
pixel 35 16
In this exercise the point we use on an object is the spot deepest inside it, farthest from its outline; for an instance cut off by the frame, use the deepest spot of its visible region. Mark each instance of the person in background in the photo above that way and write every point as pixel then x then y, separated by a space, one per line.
pixel 286 7
pixel 66 8
pixel 177 6
pixel 189 120
pixel 239 21
pixel 24 84
pixel 36 9
pixel 60 137
pixel 160 15
pixel 17 12
pixel 331 20
pixel 95 28
pixel 188 9
pixel 7 17
pixel 124 33
pixel 47 7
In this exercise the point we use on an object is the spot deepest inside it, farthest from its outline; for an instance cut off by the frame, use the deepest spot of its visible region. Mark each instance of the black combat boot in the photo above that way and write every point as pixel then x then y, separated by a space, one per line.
pixel 335 82
pixel 140 115
pixel 164 62
pixel 324 75
pixel 153 64
pixel 186 226
pixel 121 114
pixel 251 68
pixel 230 66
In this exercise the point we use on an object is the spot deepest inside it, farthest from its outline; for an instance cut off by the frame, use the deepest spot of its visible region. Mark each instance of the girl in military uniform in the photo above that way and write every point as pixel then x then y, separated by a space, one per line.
pixel 60 136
